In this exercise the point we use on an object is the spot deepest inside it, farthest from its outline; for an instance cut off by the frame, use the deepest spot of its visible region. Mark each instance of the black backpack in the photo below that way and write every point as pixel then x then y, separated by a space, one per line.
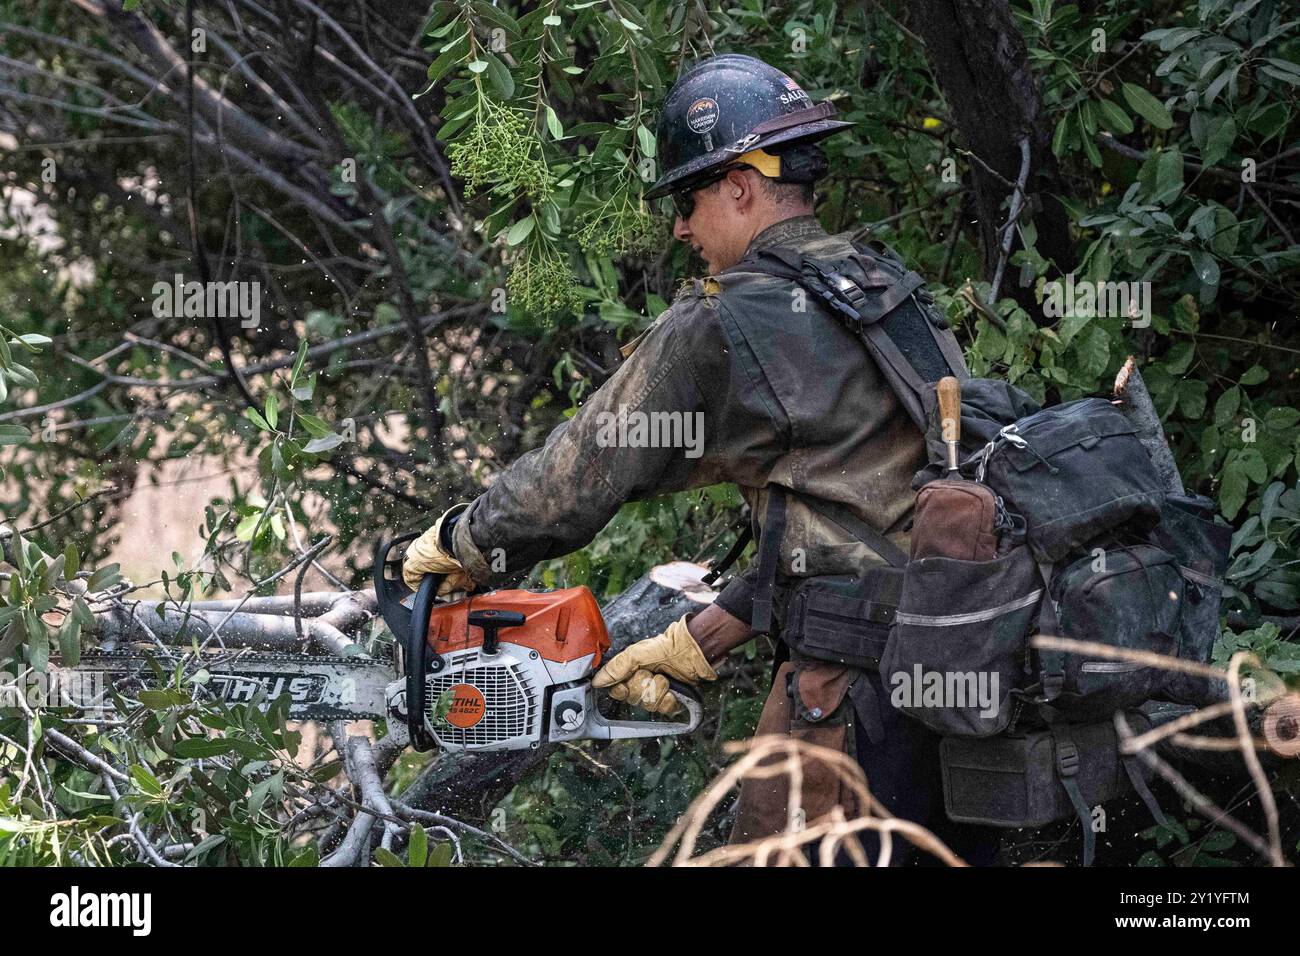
pixel 1092 546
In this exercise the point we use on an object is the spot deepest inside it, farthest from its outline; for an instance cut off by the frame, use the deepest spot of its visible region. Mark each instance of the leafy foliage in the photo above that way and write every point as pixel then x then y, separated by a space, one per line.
pixel 1175 129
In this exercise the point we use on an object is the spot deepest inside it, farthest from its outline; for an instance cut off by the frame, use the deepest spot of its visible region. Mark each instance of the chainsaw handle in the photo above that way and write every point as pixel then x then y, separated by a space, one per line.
pixel 391 591
pixel 420 660
pixel 599 728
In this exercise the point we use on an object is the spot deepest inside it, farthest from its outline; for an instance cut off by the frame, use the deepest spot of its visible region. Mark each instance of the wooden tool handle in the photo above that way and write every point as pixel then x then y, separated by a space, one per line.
pixel 950 408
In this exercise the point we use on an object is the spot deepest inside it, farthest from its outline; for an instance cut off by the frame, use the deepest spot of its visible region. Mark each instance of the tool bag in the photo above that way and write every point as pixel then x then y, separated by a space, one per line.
pixel 1036 777
pixel 1089 546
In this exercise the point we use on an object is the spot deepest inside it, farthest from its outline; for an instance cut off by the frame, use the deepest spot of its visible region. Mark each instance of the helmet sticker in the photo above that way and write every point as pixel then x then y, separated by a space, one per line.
pixel 796 93
pixel 702 115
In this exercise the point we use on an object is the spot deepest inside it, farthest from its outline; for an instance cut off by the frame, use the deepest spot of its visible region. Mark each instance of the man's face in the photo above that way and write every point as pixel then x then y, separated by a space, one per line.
pixel 719 227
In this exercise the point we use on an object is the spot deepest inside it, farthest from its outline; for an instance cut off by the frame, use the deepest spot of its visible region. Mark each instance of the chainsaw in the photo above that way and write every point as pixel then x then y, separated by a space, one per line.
pixel 494 671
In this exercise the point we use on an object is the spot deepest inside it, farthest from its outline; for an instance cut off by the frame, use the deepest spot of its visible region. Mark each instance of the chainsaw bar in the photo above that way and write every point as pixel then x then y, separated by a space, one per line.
pixel 319 687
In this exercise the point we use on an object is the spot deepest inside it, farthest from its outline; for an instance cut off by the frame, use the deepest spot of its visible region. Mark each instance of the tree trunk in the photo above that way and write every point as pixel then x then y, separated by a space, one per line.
pixel 982 66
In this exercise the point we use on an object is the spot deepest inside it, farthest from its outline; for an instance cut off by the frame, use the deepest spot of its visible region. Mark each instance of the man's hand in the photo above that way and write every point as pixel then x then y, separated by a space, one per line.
pixel 640 674
pixel 428 555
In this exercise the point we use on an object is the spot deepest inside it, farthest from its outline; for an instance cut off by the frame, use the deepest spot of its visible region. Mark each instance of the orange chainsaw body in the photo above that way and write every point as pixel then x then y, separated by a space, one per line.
pixel 560 626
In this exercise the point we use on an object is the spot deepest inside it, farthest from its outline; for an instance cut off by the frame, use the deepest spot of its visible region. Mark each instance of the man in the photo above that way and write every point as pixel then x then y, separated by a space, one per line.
pixel 789 399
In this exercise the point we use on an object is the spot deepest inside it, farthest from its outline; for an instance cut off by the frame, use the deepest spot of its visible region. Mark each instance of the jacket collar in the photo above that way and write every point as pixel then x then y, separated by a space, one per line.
pixel 785 232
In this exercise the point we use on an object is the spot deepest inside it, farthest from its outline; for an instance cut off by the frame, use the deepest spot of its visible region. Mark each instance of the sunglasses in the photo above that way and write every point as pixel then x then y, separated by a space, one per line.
pixel 684 201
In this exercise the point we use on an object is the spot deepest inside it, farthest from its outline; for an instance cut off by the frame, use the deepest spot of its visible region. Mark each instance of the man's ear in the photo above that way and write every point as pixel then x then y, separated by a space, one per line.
pixel 739 186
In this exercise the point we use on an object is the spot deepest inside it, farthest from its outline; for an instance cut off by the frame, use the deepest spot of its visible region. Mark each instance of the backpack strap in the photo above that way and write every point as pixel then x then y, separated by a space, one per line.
pixel 862 693
pixel 769 544
pixel 855 526
pixel 1139 782
pixel 1067 769
pixel 1051 663
pixel 867 316
pixel 769 553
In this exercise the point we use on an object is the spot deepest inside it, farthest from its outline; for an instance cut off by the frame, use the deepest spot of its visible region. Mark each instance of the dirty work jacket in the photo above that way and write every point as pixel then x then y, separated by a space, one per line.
pixel 765 385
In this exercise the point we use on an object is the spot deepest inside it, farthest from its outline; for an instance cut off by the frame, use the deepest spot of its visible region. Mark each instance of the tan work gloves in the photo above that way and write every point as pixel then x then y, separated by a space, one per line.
pixel 639 675
pixel 426 555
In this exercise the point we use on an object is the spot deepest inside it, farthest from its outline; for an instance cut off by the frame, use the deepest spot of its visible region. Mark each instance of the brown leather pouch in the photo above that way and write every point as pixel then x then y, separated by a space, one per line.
pixel 955 519
pixel 809 702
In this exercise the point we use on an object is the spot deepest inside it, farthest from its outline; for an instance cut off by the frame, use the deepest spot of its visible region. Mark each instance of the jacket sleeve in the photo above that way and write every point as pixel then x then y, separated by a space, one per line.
pixel 737 595
pixel 554 499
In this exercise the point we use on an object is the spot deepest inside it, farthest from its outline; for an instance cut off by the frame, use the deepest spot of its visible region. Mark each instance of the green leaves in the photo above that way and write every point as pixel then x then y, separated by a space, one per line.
pixel 1114 118
pixel 521 230
pixel 256 418
pixel 323 444
pixel 104 577
pixel 1147 106
pixel 13 434
pixel 200 747
pixel 553 124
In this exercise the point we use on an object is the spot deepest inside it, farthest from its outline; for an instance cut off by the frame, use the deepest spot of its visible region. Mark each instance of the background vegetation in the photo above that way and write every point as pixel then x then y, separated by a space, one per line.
pixel 443 208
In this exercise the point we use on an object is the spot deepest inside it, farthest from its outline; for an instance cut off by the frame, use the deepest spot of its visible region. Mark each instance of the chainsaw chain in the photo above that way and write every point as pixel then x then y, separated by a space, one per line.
pixel 272 657
pixel 237 663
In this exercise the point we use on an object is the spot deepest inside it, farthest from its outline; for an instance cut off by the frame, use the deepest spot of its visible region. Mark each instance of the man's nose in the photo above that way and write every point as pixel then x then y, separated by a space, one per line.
pixel 681 231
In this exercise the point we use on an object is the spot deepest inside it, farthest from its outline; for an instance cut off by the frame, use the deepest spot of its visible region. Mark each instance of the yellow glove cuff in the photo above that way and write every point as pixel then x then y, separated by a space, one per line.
pixel 425 555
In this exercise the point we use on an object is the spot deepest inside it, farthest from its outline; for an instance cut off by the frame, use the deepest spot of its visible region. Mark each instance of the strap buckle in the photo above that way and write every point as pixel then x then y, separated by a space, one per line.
pixel 839 292
pixel 1067 758
pixel 1053 684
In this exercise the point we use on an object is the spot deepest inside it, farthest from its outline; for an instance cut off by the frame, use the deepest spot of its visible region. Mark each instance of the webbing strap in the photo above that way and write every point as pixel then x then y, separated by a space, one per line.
pixel 855 526
pixel 863 696
pixel 1140 785
pixel 1051 662
pixel 891 359
pixel 769 543
pixel 733 553
pixel 951 352
pixel 1067 768
pixel 769 553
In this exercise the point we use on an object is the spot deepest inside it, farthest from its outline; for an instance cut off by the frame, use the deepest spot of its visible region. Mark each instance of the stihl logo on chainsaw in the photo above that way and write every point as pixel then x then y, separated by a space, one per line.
pixel 467 706
pixel 244 688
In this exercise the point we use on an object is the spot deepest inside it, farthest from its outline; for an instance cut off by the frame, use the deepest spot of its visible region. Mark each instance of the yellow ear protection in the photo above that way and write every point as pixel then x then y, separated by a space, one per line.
pixel 801 163
pixel 763 161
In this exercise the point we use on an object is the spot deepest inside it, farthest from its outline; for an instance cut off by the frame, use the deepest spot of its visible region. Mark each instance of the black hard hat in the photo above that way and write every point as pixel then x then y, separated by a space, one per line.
pixel 728 109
